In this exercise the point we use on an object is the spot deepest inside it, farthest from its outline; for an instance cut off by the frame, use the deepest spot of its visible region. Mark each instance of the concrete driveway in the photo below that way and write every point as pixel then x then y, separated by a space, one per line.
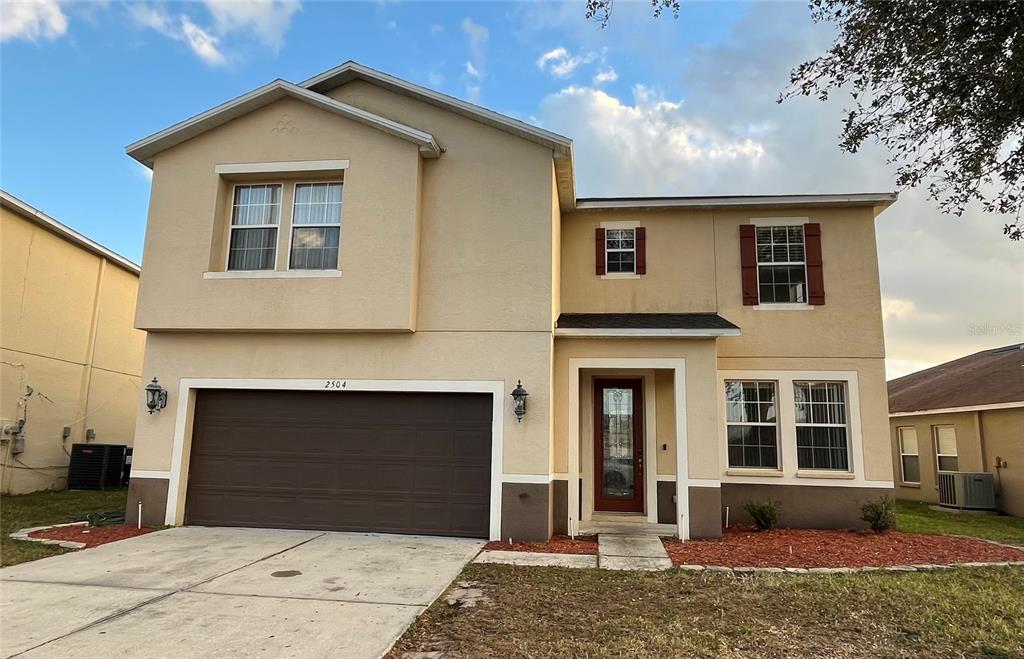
pixel 202 592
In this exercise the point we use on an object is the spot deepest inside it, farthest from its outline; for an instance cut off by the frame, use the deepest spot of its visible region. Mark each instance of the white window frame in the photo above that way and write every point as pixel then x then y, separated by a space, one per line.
pixel 904 454
pixel 776 222
pixel 791 474
pixel 846 426
pixel 613 226
pixel 778 434
pixel 935 443
pixel 232 226
pixel 292 226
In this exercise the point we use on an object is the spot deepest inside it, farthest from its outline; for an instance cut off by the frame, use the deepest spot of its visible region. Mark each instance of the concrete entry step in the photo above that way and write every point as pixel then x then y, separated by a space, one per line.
pixel 626 528
pixel 631 552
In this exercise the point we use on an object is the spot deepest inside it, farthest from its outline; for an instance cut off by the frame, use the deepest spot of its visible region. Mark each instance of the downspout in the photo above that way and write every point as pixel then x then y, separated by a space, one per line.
pixel 980 429
pixel 83 397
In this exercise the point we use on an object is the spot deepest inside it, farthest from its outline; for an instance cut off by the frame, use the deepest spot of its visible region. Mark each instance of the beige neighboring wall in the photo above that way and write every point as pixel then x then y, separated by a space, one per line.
pixel 65 332
pixel 981 436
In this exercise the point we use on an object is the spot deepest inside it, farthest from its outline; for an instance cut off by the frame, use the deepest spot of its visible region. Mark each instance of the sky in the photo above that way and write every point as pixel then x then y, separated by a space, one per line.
pixel 667 106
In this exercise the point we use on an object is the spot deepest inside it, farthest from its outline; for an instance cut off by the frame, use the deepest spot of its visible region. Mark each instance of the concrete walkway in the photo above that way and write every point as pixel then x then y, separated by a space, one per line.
pixel 200 592
pixel 631 552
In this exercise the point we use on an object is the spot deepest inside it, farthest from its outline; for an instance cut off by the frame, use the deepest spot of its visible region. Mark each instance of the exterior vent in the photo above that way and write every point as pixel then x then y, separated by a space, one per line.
pixel 96 466
pixel 966 490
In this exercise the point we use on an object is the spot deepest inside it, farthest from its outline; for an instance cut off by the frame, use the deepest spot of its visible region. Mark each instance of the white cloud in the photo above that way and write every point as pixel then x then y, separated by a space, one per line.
pixel 477 36
pixel 561 63
pixel 202 43
pixel 608 75
pixel 239 21
pixel 436 28
pixel 32 21
pixel 950 286
pixel 267 20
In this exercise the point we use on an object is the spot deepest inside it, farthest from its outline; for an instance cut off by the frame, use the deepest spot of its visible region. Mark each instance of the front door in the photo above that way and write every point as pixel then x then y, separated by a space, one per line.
pixel 619 445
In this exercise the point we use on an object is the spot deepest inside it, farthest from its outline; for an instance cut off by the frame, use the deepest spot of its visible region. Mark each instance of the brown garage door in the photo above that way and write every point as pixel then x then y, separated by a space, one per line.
pixel 384 462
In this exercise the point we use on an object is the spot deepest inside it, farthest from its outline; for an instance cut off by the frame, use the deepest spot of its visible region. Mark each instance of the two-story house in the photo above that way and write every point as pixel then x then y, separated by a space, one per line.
pixel 346 279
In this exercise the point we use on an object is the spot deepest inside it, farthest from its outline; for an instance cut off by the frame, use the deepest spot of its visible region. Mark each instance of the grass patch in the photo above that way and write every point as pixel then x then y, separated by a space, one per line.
pixel 19 511
pixel 557 612
pixel 917 517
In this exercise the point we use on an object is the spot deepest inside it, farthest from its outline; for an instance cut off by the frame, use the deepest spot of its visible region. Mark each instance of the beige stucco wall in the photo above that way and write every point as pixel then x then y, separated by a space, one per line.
pixel 693 265
pixel 1003 433
pixel 66 332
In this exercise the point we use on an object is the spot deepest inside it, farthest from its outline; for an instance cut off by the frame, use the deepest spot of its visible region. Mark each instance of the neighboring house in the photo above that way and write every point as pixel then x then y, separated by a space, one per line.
pixel 346 279
pixel 71 360
pixel 964 415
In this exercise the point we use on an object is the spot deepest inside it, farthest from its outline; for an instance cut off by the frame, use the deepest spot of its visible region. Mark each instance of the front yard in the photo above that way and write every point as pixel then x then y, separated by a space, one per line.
pixel 555 612
pixel 19 511
pixel 915 517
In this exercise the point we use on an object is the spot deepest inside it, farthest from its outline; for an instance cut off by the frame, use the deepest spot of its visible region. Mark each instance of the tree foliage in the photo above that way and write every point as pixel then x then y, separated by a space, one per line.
pixel 601 10
pixel 941 85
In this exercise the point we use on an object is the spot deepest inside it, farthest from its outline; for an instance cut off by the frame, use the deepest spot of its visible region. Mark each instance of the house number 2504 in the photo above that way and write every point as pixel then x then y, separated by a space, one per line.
pixel 334 384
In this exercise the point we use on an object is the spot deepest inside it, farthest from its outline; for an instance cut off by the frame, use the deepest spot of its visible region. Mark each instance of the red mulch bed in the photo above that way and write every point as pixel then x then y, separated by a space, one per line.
pixel 818 548
pixel 91 535
pixel 559 544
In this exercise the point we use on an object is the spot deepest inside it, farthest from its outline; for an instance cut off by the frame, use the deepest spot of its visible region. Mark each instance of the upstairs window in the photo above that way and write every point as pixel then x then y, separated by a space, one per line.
pixel 620 251
pixel 255 216
pixel 316 226
pixel 945 449
pixel 821 431
pixel 751 424
pixel 781 265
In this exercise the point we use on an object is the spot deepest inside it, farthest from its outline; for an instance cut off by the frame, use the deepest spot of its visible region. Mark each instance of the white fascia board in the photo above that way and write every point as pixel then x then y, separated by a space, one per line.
pixel 632 332
pixel 966 408
pixel 146 148
pixel 865 199
pixel 66 232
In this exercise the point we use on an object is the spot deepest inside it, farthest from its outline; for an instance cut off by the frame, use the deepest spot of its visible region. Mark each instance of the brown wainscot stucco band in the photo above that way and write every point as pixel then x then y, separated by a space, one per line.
pixel 816 507
pixel 526 511
pixel 152 493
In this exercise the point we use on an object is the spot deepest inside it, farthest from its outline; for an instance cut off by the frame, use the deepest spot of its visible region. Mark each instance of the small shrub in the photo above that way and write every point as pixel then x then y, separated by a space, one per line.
pixel 764 513
pixel 880 514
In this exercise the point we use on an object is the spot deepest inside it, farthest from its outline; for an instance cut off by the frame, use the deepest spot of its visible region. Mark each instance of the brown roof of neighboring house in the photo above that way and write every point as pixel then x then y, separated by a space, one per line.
pixel 984 378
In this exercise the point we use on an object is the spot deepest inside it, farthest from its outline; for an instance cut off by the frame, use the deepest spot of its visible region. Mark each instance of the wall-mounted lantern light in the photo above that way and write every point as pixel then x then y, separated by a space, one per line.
pixel 519 396
pixel 156 396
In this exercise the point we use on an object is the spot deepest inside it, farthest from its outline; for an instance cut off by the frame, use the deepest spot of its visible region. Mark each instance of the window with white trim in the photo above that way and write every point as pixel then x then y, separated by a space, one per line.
pixel 255 216
pixel 751 424
pixel 781 265
pixel 822 435
pixel 620 251
pixel 316 226
pixel 910 456
pixel 945 448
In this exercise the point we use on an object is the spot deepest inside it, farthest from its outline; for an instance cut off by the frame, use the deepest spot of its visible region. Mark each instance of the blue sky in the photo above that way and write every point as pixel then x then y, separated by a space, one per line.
pixel 655 106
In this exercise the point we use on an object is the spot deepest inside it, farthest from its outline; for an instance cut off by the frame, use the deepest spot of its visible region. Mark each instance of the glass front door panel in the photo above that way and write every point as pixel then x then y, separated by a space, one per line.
pixel 619 480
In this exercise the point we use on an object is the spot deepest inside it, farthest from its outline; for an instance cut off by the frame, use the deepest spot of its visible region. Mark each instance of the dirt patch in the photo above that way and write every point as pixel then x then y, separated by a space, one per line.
pixel 819 548
pixel 559 544
pixel 92 536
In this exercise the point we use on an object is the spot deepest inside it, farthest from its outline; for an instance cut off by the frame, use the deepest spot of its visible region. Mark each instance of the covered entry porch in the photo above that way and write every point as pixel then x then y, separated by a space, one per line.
pixel 635 425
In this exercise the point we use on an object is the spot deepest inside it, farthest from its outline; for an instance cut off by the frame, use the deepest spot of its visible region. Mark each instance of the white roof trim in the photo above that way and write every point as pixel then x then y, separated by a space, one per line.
pixel 146 148
pixel 967 408
pixel 66 232
pixel 351 70
pixel 636 332
pixel 865 199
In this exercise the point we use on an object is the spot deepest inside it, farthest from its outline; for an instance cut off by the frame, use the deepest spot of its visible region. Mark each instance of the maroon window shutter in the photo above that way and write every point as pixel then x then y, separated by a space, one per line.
pixel 748 263
pixel 815 278
pixel 599 250
pixel 641 250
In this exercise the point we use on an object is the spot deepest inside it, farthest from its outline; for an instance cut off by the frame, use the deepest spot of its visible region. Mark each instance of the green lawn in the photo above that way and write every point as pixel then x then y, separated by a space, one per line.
pixel 915 517
pixel 558 612
pixel 19 511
